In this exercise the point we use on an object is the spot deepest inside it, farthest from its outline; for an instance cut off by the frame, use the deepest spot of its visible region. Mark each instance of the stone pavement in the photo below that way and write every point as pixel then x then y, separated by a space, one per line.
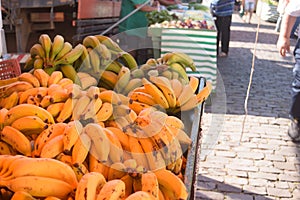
pixel 264 164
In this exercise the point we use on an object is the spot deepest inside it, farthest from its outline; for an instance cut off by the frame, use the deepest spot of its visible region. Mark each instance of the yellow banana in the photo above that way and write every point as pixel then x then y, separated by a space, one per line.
pixel 177 87
pixel 6 149
pixel 168 74
pixel 110 96
pixel 55 108
pixel 172 121
pixel 137 107
pixel 42 76
pixel 80 107
pixel 74 90
pixel 150 184
pixel 97 166
pixel 60 95
pixel 71 56
pixel 113 189
pixel 46 135
pixel 30 78
pixel 69 72
pixel 37 50
pixel 131 85
pixel 44 103
pixel 65 82
pixel 178 166
pixel 194 83
pixel 46 43
pixel 30 125
pixel 27 110
pixel 19 86
pixel 165 86
pixel 92 108
pixel 105 112
pixel 16 139
pixel 26 166
pixel 140 195
pixel 109 78
pixel 79 169
pixel 3 113
pixel 185 96
pixel 142 98
pixel 93 92
pixel 87 82
pixel 116 171
pixel 116 150
pixel 89 185
pixel 30 92
pixel 55 77
pixel 62 157
pixel 53 147
pixel 172 183
pixel 22 195
pixel 99 141
pixel 153 154
pixel 56 46
pixel 137 151
pixel 156 93
pixel 67 110
pixel 122 137
pixel 198 98
pixel 71 135
pixel 67 47
pixel 39 186
pixel 10 101
pixel 81 149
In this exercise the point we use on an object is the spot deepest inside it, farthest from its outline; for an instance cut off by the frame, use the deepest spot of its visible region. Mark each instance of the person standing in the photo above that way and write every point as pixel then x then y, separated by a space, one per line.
pixel 248 10
pixel 222 11
pixel 134 28
pixel 292 11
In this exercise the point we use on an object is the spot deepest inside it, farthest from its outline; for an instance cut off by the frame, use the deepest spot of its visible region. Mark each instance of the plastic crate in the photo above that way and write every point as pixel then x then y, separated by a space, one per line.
pixel 9 69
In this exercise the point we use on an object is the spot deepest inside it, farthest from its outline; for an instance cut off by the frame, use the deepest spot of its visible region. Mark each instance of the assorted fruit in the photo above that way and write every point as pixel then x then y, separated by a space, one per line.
pixel 103 129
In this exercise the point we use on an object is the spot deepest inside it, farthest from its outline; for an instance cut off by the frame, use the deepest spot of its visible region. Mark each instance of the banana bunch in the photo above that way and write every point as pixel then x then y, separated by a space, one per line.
pixel 102 54
pixel 172 65
pixel 31 175
pixel 171 95
pixel 51 55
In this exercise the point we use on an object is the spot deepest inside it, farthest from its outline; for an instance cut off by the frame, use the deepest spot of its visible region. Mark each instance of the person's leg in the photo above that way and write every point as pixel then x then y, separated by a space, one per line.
pixel 251 9
pixel 225 34
pixel 294 129
pixel 218 23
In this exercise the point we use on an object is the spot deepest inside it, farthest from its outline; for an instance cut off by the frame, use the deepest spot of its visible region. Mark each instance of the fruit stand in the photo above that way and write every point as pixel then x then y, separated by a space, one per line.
pixel 194 34
pixel 107 127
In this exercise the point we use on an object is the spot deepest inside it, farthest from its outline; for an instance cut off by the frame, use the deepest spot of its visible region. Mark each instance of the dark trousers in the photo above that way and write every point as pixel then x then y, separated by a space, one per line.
pixel 223 28
pixel 295 107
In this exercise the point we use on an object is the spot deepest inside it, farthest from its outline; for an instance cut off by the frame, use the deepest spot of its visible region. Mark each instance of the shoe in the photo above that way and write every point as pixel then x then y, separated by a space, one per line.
pixel 294 131
pixel 222 54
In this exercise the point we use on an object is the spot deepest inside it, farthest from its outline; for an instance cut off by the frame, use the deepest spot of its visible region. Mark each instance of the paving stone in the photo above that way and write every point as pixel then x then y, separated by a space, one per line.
pixel 258 182
pixel 209 195
pixel 229 154
pixel 268 176
pixel 290 178
pixel 234 196
pixel 285 166
pixel 236 180
pixel 237 173
pixel 282 185
pixel 274 157
pixel 251 155
pixel 223 187
pixel 248 189
pixel 278 192
pixel 206 185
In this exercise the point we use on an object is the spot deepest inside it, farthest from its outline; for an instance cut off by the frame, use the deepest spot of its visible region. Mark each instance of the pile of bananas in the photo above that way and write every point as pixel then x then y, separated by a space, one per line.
pixel 104 125
pixel 91 130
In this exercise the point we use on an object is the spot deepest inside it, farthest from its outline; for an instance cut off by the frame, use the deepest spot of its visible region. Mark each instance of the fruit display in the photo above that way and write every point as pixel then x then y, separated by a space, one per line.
pixel 103 131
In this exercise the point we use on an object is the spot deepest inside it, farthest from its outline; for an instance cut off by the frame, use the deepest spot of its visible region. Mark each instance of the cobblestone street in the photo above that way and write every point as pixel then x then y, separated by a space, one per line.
pixel 263 163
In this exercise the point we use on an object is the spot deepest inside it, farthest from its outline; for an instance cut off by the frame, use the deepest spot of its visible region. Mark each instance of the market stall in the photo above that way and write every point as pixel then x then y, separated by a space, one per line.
pixel 194 35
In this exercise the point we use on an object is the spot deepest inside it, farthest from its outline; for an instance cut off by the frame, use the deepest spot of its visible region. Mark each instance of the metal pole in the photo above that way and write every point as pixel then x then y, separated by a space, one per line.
pixel 3 49
pixel 124 18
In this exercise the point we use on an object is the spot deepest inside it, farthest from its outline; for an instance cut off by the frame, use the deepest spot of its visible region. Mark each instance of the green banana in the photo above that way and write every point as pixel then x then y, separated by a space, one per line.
pixel 69 72
pixel 128 60
pixel 183 59
pixel 70 57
